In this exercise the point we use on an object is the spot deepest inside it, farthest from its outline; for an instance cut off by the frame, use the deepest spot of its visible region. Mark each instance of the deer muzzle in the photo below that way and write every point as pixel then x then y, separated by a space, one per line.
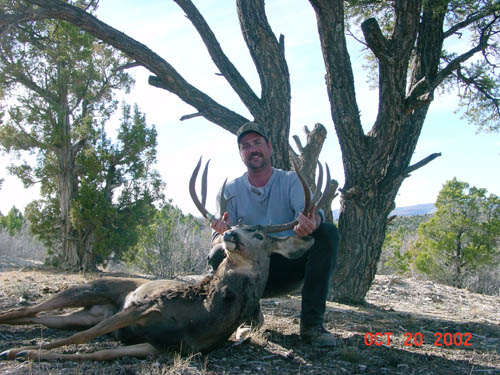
pixel 231 240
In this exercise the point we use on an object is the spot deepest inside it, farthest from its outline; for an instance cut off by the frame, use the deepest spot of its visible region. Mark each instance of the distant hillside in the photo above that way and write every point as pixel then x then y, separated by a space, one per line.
pixel 419 209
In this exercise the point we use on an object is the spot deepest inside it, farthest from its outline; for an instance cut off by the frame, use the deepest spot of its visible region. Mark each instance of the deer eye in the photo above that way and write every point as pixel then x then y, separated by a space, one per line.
pixel 258 236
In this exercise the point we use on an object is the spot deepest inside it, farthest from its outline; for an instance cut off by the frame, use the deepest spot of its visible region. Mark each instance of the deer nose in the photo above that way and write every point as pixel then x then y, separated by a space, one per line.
pixel 230 236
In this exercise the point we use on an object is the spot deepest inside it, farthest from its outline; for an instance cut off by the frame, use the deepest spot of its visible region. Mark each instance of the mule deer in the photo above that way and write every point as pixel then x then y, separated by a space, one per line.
pixel 151 316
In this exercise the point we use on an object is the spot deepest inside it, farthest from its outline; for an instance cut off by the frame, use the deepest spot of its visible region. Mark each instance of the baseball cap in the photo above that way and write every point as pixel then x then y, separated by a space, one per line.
pixel 251 127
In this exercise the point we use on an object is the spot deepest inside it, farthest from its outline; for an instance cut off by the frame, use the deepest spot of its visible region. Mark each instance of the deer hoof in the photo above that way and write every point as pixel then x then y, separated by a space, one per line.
pixel 243 333
pixel 21 356
pixel 25 355
pixel 7 354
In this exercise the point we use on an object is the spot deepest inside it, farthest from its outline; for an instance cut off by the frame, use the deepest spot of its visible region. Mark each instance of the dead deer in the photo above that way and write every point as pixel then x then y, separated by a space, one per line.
pixel 153 316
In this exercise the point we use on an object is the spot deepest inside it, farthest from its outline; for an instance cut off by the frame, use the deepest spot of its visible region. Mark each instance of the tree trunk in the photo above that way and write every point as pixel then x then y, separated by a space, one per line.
pixel 365 208
pixel 69 257
pixel 363 233
pixel 66 183
pixel 65 179
pixel 459 255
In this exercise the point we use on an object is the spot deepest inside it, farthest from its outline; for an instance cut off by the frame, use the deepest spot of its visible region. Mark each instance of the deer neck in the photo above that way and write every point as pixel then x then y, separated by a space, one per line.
pixel 241 278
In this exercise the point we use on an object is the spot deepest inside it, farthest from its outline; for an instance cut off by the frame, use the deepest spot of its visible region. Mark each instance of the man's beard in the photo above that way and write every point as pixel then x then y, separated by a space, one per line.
pixel 262 164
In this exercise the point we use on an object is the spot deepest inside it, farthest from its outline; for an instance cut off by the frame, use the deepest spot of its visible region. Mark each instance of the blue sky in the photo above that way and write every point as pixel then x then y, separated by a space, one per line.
pixel 162 26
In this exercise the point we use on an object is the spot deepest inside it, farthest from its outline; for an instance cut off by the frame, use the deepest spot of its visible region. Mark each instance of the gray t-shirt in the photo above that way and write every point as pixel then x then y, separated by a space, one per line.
pixel 278 202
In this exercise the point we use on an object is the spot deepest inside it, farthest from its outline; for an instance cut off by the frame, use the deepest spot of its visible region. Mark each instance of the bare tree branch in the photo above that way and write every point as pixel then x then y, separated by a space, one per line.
pixel 208 107
pixel 272 69
pixel 477 84
pixel 192 115
pixel 226 67
pixel 24 14
pixel 307 162
pixel 455 63
pixel 264 48
pixel 375 40
pixel 393 54
pixel 298 143
pixel 128 66
pixel 340 80
pixel 166 76
pixel 484 12
pixel 421 163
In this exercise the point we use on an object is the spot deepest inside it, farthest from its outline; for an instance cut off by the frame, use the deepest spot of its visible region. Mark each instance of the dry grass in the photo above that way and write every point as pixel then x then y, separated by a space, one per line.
pixel 393 305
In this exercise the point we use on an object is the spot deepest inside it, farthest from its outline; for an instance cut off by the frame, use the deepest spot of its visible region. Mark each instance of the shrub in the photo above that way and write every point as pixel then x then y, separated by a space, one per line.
pixel 172 245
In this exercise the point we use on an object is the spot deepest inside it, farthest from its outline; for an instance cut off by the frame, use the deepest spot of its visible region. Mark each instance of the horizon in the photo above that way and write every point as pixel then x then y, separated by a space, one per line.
pixel 466 155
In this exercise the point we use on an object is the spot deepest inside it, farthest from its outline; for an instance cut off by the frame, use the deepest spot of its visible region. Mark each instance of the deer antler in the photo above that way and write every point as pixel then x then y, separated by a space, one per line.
pixel 201 205
pixel 309 203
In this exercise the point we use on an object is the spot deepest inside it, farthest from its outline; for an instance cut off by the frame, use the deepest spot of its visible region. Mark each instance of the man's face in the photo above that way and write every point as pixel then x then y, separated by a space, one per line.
pixel 255 151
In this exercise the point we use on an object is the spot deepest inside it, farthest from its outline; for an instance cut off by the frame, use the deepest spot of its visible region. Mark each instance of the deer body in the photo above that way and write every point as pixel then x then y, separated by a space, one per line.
pixel 152 316
pixel 215 307
pixel 164 314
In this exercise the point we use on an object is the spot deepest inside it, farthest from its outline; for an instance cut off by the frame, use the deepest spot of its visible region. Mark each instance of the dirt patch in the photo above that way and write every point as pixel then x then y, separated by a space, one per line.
pixel 441 321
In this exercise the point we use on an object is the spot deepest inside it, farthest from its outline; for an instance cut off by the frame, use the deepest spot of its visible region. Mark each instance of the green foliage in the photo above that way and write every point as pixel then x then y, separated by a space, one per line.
pixel 477 81
pixel 13 222
pixel 172 244
pixel 43 216
pixel 111 221
pixel 463 235
pixel 400 260
pixel 60 83
pixel 397 252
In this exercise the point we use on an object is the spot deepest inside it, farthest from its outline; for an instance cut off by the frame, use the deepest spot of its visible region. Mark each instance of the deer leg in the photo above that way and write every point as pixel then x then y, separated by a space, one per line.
pixel 140 351
pixel 119 320
pixel 85 295
pixel 82 319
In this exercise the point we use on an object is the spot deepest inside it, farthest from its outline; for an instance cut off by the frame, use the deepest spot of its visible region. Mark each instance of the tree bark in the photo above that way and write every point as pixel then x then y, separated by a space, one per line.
pixel 65 179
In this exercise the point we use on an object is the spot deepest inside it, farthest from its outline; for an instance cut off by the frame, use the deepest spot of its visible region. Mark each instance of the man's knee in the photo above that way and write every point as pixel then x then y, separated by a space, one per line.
pixel 326 243
pixel 327 235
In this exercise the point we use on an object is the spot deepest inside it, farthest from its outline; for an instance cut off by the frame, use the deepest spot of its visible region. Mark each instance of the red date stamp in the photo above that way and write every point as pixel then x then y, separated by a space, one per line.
pixel 417 339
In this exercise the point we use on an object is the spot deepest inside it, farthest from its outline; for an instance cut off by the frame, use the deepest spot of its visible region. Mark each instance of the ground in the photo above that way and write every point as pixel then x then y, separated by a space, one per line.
pixel 427 325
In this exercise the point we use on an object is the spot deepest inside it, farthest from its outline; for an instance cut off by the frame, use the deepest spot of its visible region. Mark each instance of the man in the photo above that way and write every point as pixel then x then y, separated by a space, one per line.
pixel 266 195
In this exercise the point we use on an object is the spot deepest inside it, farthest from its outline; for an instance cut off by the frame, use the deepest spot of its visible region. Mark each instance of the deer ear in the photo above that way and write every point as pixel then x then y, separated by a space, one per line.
pixel 292 247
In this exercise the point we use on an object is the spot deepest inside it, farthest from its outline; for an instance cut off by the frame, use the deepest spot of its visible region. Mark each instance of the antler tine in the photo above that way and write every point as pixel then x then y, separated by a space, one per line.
pixel 317 193
pixel 328 188
pixel 307 190
pixel 204 178
pixel 194 197
pixel 223 200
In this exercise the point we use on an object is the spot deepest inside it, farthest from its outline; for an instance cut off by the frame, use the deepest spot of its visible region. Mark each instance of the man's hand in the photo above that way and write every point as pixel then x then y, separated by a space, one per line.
pixel 307 224
pixel 222 224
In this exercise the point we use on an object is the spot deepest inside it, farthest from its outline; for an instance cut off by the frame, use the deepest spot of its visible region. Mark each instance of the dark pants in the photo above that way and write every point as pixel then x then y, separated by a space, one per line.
pixel 312 270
